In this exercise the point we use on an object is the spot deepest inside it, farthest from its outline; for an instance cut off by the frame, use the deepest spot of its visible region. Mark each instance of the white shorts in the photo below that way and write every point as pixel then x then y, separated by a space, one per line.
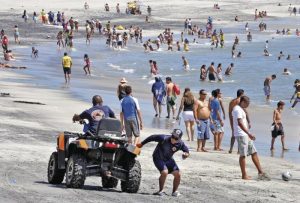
pixel 188 116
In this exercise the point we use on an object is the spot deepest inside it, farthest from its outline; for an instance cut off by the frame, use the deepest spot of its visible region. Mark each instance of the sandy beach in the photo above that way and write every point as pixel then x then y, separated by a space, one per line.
pixel 28 131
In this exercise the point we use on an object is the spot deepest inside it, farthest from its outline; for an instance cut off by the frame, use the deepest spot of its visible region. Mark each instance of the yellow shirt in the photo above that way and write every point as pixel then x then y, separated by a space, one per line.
pixel 66 61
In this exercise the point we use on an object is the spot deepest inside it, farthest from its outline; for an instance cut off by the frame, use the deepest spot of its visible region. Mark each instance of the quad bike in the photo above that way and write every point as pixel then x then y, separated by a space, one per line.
pixel 105 153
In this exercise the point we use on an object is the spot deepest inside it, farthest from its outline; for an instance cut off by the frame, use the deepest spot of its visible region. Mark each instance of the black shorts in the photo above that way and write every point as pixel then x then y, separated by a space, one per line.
pixel 67 70
pixel 211 77
pixel 277 131
pixel 169 165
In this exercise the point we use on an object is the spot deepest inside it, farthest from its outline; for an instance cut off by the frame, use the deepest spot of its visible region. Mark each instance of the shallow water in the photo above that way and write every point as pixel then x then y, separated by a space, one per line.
pixel 132 62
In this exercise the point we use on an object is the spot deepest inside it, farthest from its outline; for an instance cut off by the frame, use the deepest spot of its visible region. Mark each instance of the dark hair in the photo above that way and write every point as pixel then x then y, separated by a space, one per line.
pixel 203 66
pixel 212 63
pixel 232 64
pixel 97 100
pixel 274 76
pixel 150 61
pixel 128 90
pixel 240 92
pixel 202 91
pixel 65 54
pixel 216 92
pixel 187 89
pixel 244 99
pixel 86 56
pixel 154 62
pixel 168 78
pixel 280 103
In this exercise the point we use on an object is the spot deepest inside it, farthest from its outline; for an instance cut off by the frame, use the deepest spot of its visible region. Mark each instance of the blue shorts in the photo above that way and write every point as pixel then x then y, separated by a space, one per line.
pixel 203 130
pixel 169 165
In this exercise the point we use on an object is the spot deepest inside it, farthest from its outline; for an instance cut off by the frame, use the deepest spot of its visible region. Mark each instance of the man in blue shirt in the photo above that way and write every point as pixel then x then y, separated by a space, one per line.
pixel 218 123
pixel 163 160
pixel 131 116
pixel 95 114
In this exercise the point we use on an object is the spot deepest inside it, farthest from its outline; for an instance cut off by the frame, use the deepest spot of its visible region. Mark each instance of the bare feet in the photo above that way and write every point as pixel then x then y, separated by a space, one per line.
pixel 285 149
pixel 215 149
pixel 272 149
pixel 198 150
pixel 230 151
pixel 220 149
pixel 203 150
pixel 246 178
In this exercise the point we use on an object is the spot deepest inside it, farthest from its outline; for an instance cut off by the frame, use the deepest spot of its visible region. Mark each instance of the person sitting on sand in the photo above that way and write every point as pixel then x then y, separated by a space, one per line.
pixel 8 55
pixel 34 52
pixel 163 159
pixel 286 72
pixel 245 139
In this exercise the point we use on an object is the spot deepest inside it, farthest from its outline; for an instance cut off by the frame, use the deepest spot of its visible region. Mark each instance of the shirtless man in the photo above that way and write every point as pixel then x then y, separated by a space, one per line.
pixel 232 104
pixel 277 124
pixel 171 97
pixel 228 71
pixel 267 86
pixel 202 118
pixel 211 72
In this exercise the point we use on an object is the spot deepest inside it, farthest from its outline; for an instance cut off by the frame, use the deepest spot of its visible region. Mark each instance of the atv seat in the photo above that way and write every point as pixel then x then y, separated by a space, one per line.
pixel 109 127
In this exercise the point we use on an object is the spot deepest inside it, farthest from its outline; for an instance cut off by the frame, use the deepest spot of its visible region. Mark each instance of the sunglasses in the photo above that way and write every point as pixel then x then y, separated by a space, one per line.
pixel 175 138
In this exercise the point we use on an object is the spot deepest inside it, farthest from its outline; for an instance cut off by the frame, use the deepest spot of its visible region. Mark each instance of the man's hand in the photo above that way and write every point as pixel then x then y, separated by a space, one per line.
pixel 139 145
pixel 252 137
pixel 222 123
pixel 141 125
pixel 185 155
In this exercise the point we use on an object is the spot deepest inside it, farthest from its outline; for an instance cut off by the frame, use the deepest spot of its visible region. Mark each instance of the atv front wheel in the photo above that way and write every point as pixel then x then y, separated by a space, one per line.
pixel 109 182
pixel 132 183
pixel 76 171
pixel 55 175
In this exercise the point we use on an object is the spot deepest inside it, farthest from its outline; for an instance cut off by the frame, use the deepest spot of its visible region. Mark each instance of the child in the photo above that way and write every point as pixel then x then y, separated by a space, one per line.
pixel 87 66
pixel 34 52
pixel 277 127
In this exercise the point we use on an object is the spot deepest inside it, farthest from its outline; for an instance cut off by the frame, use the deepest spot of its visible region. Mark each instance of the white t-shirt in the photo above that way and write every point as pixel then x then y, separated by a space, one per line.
pixel 239 113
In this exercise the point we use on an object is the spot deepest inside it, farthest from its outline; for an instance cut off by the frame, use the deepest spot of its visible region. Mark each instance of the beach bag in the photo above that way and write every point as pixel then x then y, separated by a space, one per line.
pixel 176 89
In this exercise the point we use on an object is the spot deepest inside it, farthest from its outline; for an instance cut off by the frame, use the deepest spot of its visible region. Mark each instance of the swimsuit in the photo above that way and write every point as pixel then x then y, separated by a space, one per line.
pixel 211 76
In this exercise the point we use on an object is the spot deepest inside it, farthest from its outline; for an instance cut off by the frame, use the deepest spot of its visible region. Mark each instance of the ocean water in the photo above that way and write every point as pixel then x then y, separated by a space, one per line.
pixel 132 62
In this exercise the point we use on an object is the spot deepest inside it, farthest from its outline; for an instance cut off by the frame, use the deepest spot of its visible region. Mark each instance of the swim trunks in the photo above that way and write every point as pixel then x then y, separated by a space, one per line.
pixel 277 131
pixel 211 77
pixel 267 90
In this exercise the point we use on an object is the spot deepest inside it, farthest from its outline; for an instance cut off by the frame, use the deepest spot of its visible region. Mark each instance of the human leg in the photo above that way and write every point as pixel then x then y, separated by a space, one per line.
pixel 272 143
pixel 283 143
pixel 243 168
pixel 187 128
pixel 256 162
pixel 155 106
pixel 176 182
pixel 231 144
pixel 192 129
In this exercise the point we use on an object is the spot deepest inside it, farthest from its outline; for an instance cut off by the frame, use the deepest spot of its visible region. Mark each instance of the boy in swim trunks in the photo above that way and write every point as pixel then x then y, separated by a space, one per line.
pixel 267 86
pixel 277 125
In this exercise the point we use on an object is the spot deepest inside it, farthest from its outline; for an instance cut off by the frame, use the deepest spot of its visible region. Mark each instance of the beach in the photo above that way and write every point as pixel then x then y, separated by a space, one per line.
pixel 29 130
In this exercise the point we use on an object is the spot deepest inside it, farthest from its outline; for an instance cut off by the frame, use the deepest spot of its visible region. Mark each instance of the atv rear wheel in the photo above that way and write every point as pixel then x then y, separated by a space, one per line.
pixel 109 182
pixel 76 171
pixel 55 175
pixel 132 183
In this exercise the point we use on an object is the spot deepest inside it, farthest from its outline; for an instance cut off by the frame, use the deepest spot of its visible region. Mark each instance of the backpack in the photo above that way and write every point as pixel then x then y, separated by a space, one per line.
pixel 176 89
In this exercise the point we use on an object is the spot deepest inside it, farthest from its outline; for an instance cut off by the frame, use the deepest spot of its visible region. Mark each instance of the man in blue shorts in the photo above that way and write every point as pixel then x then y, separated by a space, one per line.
pixel 163 157
pixel 202 118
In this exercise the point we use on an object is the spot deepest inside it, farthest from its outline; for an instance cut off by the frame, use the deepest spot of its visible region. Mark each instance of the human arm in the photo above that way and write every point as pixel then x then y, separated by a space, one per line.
pixel 122 120
pixel 185 150
pixel 248 118
pixel 241 125
pixel 274 118
pixel 151 138
pixel 111 114
pixel 196 105
pixel 180 108
pixel 222 107
pixel 139 113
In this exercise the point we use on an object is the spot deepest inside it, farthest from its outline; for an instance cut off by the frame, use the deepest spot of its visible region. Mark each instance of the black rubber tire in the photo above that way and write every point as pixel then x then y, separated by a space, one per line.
pixel 76 171
pixel 109 182
pixel 55 175
pixel 132 184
